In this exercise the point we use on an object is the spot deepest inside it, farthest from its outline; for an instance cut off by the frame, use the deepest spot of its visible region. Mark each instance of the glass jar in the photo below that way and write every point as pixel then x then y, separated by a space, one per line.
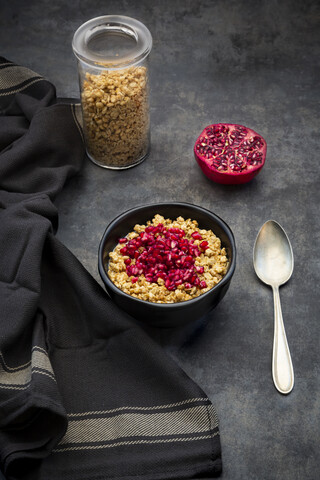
pixel 112 53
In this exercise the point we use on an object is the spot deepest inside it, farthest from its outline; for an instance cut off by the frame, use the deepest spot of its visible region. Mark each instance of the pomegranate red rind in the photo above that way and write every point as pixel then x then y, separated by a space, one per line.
pixel 229 153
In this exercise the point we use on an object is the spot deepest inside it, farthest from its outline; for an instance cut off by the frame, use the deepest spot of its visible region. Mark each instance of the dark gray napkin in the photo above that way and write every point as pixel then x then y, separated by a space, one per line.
pixel 84 393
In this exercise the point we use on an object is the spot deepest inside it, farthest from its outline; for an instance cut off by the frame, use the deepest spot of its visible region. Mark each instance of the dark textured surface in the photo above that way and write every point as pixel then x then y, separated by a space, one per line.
pixel 253 63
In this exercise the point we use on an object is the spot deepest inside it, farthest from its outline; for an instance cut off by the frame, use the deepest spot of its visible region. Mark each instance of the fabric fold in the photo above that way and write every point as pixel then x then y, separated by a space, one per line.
pixel 84 393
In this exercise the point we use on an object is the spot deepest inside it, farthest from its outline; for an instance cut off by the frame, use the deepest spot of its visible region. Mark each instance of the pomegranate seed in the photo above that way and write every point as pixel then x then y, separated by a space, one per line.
pixel 203 284
pixel 165 253
pixel 196 236
pixel 200 269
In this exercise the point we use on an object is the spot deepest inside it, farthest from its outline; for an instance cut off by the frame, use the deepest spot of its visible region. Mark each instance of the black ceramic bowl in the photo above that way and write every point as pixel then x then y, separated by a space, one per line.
pixel 166 314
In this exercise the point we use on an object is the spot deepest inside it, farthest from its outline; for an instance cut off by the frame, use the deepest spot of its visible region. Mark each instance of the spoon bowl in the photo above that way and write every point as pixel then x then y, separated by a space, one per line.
pixel 273 264
pixel 272 254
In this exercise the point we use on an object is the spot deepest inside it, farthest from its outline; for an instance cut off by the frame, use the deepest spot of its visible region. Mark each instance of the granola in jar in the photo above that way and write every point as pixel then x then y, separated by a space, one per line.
pixel 116 116
pixel 112 54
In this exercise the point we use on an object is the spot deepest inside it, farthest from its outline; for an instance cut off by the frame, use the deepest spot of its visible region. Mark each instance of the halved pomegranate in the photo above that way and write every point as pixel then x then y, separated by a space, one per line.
pixel 230 154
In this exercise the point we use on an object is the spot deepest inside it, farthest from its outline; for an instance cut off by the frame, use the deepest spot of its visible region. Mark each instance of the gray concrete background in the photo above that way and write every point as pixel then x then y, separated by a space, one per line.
pixel 250 62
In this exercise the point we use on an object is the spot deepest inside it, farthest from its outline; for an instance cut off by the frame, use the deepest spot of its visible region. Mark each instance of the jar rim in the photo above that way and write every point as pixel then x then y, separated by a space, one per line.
pixel 122 29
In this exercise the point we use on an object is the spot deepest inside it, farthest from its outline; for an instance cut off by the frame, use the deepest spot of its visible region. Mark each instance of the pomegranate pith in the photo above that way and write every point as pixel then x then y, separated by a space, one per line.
pixel 229 153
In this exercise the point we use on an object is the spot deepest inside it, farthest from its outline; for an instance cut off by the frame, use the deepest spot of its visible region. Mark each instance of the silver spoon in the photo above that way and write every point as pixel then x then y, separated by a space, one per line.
pixel 273 263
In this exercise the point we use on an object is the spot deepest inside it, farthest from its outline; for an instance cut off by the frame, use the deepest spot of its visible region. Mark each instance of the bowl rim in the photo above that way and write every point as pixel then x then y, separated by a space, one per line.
pixel 178 305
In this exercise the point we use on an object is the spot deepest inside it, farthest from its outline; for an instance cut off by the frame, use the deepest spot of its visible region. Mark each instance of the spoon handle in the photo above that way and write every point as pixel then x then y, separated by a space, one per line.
pixel 282 370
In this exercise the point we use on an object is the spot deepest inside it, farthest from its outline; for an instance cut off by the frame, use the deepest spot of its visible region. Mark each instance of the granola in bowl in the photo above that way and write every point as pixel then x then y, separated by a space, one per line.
pixel 167 261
